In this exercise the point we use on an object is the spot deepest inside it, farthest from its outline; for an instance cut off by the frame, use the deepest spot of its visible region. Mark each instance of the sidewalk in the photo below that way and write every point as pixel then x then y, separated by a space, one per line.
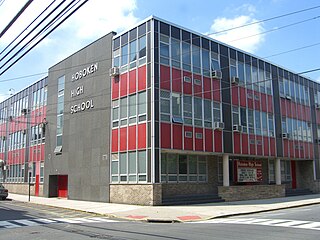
pixel 174 213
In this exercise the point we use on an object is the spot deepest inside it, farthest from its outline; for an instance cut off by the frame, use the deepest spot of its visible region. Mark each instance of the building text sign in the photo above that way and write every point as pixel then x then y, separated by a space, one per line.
pixel 249 171
pixel 85 72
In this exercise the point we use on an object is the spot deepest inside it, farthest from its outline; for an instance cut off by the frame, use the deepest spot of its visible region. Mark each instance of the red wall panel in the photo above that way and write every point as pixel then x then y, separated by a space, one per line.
pixel 115 138
pixel 243 97
pixel 165 135
pixel 270 104
pixel 142 78
pixel 311 150
pixel 250 98
pixel 283 107
pixel 237 142
pixel 207 92
pixel 164 77
pixel 216 89
pixel 198 142
pixel 272 147
pixel 187 87
pixel 177 136
pixel 188 142
pixel 245 143
pixel 265 146
pixel 217 140
pixel 197 89
pixel 259 145
pixel 115 87
pixel 288 107
pixel 176 80
pixel 123 84
pixel 285 147
pixel 299 112
pixel 264 107
pixel 235 95
pixel 132 81
pixel 252 145
pixel 208 140
pixel 123 139
pixel 142 137
pixel 132 137
pixel 291 149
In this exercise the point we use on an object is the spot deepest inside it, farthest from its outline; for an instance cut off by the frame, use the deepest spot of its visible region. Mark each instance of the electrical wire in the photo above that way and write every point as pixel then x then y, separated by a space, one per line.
pixel 15 17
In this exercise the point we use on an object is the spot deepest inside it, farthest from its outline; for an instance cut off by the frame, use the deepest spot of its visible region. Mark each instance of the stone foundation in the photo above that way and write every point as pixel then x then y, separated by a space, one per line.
pixel 140 194
pixel 23 188
pixel 251 192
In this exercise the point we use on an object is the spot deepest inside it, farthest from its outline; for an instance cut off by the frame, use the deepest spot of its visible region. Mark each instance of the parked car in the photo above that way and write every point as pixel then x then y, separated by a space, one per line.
pixel 3 192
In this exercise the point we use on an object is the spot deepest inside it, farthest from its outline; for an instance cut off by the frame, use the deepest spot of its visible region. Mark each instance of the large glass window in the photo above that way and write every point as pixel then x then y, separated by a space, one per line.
pixel 243 117
pixel 124 55
pixel 186 56
pixel 175 53
pixel 187 109
pixel 235 115
pixel 142 106
pixel 196 59
pixel 216 112
pixel 132 109
pixel 176 108
pixel 197 111
pixel 207 113
pixel 250 121
pixel 264 118
pixel 205 62
pixel 257 122
pixel 165 105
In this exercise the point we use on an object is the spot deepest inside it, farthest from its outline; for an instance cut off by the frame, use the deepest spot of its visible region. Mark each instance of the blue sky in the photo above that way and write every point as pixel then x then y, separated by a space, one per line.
pixel 99 17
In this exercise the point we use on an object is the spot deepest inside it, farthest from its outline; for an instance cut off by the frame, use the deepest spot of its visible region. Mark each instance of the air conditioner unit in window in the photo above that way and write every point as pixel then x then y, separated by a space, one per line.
pixel 216 74
pixel 237 128
pixel 288 97
pixel 218 125
pixel 113 72
pixel 234 80
pixel 285 135
pixel 24 111
pixel 317 105
pixel 24 131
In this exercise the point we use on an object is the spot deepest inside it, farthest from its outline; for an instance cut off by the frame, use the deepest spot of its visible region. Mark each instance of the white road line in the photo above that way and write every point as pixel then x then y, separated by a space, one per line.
pixel 42 221
pixel 267 222
pixel 27 222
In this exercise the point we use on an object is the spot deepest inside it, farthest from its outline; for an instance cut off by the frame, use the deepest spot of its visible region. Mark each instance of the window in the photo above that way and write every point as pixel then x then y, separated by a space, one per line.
pixel 142 106
pixel 142 48
pixel 183 168
pixel 285 171
pixel 271 171
pixel 196 59
pixel 241 73
pixel 250 121
pixel 187 109
pixel 133 54
pixel 284 125
pixel 207 113
pixel 123 111
pixel 175 53
pixel 205 63
pixel 281 87
pixel 123 167
pixel 132 109
pixel 124 55
pixel 142 166
pixel 197 81
pixel 270 125
pixel 264 118
pixel 114 167
pixel 248 76
pixel 235 115
pixel 60 109
pixel 199 136
pixel 165 105
pixel 286 87
pixel 41 171
pixel 233 68
pixel 243 118
pixel 164 49
pixel 176 105
pixel 132 162
pixel 255 78
pixel 197 111
pixel 257 122
pixel 115 113
pixel 215 65
pixel 186 56
pixel 216 112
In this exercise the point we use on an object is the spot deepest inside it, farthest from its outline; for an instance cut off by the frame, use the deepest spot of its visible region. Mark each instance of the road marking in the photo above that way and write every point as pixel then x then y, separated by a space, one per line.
pixel 266 222
pixel 43 221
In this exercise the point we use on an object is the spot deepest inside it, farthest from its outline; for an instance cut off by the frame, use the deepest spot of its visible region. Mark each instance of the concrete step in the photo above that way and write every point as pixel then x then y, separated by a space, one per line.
pixel 298 192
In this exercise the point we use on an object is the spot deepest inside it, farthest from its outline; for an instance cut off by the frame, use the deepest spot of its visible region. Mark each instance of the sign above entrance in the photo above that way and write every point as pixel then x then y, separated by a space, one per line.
pixel 249 171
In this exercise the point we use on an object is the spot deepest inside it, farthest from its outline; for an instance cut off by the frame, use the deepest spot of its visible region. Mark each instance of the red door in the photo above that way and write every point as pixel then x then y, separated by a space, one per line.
pixel 63 186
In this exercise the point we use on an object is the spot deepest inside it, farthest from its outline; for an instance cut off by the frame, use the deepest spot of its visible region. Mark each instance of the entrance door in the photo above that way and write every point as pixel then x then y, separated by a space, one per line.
pixel 293 175
pixel 63 186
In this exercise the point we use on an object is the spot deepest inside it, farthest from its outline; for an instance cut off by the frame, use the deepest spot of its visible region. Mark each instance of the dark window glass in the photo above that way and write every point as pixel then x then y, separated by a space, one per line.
pixel 156 25
pixel 175 32
pixel 214 47
pixel 205 43
pixel 124 39
pixel 133 34
pixel 142 30
pixel 232 54
pixel 116 43
pixel 185 36
pixel 164 28
pixel 196 40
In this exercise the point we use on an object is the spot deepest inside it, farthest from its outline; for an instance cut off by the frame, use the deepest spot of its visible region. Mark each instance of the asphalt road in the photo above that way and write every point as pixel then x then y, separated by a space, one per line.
pixel 29 221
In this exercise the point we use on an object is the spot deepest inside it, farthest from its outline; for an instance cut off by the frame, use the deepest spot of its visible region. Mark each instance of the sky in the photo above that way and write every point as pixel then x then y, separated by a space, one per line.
pixel 277 40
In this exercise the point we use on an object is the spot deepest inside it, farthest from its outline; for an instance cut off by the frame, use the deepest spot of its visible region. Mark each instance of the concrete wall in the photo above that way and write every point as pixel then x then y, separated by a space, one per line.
pixel 250 192
pixel 86 134
pixel 305 176
pixel 139 194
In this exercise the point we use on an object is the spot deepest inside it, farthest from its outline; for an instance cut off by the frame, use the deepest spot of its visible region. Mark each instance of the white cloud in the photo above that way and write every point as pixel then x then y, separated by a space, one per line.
pixel 98 17
pixel 247 38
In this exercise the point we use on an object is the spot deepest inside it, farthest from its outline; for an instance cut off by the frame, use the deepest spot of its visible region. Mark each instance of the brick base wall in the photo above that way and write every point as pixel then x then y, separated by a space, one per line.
pixel 238 193
pixel 140 194
pixel 23 188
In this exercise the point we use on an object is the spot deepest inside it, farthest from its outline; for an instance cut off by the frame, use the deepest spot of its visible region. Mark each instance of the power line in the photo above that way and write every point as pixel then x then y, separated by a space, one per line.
pixel 313 70
pixel 15 17
pixel 265 20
